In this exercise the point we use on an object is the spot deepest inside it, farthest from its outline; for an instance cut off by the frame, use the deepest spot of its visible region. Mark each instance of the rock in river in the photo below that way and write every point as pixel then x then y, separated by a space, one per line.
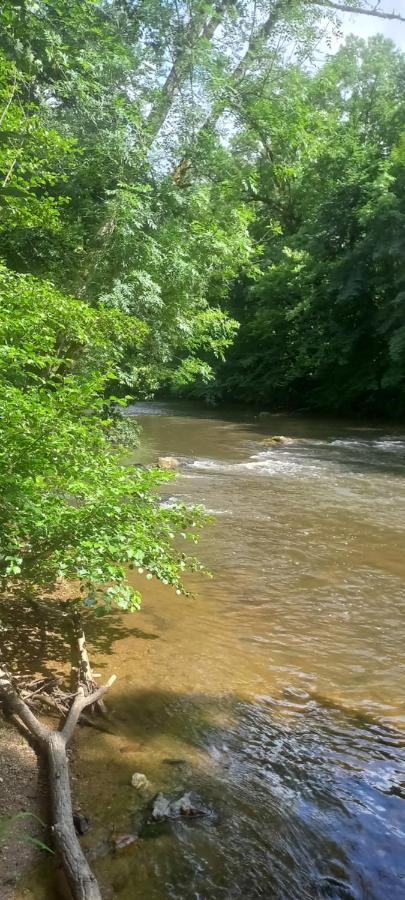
pixel 141 783
pixel 189 805
pixel 123 841
pixel 81 823
pixel 168 462
pixel 277 439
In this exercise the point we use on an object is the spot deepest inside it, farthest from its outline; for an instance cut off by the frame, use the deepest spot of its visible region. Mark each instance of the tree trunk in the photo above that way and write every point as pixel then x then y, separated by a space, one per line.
pixel 53 746
pixel 203 27
pixel 82 882
pixel 255 43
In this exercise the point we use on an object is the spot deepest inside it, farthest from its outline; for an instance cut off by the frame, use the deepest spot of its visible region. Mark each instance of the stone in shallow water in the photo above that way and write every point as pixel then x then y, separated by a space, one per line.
pixel 189 805
pixel 141 782
pixel 124 841
pixel 276 439
pixel 161 808
pixel 81 823
pixel 335 889
pixel 174 762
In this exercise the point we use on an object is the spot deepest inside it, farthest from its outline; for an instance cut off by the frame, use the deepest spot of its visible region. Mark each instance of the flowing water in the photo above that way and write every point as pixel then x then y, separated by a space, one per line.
pixel 278 692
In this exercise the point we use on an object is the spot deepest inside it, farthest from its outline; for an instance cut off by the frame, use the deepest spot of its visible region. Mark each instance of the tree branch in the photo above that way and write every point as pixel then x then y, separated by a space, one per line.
pixel 356 10
pixel 82 883
pixel 79 704
pixel 203 27
pixel 19 708
pixel 256 41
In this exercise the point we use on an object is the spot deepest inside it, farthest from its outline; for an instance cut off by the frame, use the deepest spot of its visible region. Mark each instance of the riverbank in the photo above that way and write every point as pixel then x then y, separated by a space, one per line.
pixel 34 645
pixel 21 791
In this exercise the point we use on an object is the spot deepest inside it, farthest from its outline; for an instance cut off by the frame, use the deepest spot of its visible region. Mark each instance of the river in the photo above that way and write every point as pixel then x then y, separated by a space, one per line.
pixel 277 692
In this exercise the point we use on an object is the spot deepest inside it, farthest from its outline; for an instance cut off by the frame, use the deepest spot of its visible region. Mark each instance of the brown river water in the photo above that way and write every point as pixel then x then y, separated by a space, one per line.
pixel 278 692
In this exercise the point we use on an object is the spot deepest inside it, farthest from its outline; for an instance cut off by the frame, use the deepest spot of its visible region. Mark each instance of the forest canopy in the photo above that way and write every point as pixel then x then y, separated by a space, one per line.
pixel 211 172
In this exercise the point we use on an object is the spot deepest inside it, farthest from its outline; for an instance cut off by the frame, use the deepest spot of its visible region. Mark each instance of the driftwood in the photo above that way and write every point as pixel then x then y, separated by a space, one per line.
pixel 72 620
pixel 52 745
pixel 84 668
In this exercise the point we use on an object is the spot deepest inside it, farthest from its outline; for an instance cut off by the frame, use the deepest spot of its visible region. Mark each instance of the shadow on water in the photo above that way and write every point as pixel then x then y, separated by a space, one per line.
pixel 39 640
pixel 304 805
pixel 309 795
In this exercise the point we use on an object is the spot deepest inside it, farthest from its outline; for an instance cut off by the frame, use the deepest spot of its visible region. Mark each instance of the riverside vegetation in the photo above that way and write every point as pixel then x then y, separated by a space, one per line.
pixel 191 202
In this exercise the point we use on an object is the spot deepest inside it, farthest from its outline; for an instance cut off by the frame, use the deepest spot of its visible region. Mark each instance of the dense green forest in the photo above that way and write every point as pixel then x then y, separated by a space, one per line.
pixel 322 323
pixel 210 173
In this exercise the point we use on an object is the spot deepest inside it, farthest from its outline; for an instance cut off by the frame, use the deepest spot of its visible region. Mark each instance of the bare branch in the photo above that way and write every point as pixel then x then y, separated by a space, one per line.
pixel 203 26
pixel 359 10
pixel 80 703
pixel 19 708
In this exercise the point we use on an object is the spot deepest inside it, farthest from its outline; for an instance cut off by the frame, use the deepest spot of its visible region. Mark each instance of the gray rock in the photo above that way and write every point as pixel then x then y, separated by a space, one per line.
pixel 277 439
pixel 81 823
pixel 189 805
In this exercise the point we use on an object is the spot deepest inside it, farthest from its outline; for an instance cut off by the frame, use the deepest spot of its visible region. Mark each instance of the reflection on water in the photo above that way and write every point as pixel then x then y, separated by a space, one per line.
pixel 278 693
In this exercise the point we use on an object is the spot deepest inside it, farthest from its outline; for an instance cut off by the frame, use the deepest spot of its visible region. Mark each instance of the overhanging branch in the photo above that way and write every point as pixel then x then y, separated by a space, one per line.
pixel 359 10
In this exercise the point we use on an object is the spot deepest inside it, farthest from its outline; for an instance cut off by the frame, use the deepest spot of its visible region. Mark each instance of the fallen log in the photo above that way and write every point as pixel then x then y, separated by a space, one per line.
pixel 52 745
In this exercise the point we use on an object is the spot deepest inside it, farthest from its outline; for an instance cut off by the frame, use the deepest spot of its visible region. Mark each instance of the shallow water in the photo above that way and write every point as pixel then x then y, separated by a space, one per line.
pixel 278 693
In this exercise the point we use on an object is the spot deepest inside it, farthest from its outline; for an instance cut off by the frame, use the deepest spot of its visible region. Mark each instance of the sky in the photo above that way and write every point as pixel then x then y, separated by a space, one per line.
pixel 365 26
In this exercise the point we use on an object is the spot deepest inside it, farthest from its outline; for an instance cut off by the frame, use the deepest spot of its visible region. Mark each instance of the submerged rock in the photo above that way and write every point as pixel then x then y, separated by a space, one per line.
pixel 141 783
pixel 174 762
pixel 114 843
pixel 124 841
pixel 277 439
pixel 189 805
pixel 81 823
pixel 335 889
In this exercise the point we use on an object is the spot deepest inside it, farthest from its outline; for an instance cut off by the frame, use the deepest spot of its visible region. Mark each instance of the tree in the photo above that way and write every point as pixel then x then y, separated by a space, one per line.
pixel 70 510
pixel 116 94
pixel 326 325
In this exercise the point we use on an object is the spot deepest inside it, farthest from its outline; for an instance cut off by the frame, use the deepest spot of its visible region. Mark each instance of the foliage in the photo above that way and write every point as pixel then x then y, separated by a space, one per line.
pixel 31 155
pixel 70 509
pixel 7 826
pixel 323 323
